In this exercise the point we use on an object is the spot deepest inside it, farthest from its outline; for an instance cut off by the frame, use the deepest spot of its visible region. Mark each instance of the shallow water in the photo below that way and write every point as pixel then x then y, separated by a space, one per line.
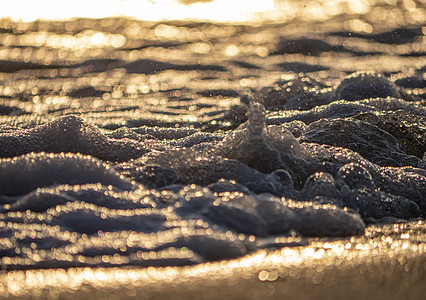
pixel 131 143
pixel 386 263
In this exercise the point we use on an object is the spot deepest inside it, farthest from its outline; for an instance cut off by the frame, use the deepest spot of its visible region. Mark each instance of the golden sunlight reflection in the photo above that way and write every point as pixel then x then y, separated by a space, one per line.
pixel 218 10
pixel 384 259
pixel 213 10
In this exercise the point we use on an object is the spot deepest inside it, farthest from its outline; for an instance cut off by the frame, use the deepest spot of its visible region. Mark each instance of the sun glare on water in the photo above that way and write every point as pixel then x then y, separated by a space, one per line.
pixel 155 10
pixel 152 10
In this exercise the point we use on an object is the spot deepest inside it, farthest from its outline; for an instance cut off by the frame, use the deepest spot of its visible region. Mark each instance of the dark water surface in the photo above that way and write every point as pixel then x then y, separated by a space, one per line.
pixel 126 143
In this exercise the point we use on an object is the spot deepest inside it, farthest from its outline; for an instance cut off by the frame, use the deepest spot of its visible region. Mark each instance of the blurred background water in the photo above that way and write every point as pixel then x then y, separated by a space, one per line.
pixel 406 11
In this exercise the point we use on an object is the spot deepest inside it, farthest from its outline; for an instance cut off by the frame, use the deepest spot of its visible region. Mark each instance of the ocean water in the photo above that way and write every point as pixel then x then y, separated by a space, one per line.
pixel 128 143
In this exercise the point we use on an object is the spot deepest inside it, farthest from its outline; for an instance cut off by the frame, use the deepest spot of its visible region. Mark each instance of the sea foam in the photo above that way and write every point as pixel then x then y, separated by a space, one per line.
pixel 138 156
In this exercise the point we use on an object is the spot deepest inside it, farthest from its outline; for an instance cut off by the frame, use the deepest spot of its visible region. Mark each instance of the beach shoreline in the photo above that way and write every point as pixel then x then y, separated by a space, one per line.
pixel 178 159
pixel 387 265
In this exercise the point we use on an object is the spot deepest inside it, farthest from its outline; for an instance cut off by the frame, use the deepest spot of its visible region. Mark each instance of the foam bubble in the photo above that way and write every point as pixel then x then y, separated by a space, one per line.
pixel 22 174
pixel 68 134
